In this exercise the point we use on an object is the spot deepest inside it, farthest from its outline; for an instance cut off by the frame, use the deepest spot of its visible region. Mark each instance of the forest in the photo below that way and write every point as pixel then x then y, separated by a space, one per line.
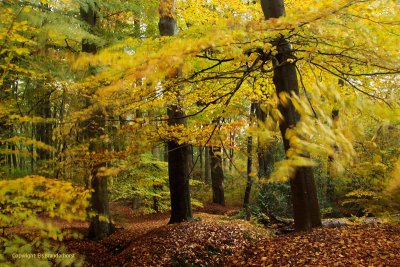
pixel 199 133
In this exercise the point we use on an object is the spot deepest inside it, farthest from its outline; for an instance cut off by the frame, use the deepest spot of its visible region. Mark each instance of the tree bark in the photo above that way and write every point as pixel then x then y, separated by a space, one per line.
pixel 304 197
pixel 178 172
pixel 179 155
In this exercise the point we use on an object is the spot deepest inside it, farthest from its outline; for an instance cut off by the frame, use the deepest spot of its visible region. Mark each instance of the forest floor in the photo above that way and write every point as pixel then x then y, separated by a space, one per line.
pixel 215 238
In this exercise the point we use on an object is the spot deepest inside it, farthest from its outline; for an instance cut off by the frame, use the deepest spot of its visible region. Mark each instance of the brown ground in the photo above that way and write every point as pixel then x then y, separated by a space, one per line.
pixel 218 240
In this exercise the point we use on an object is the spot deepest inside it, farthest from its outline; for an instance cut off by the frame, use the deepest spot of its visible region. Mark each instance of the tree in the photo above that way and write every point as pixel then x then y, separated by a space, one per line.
pixel 206 164
pixel 179 154
pixel 100 223
pixel 304 196
pixel 217 175
pixel 249 182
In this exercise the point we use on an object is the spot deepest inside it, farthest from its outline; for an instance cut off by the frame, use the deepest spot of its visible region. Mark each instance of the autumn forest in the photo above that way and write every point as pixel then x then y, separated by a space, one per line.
pixel 199 133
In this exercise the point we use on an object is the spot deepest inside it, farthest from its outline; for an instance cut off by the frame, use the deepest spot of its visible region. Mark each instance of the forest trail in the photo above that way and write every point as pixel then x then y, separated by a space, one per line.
pixel 221 240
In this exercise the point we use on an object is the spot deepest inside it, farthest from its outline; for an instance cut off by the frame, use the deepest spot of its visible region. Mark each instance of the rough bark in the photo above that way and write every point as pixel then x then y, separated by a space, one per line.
pixel 304 197
pixel 217 175
pixel 179 155
pixel 100 222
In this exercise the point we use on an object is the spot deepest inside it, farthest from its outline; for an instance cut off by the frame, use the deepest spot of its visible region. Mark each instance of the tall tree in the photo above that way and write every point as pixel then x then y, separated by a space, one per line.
pixel 100 223
pixel 306 210
pixel 179 154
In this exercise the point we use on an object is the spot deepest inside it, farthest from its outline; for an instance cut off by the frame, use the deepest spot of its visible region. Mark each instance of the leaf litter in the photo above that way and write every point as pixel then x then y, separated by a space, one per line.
pixel 219 240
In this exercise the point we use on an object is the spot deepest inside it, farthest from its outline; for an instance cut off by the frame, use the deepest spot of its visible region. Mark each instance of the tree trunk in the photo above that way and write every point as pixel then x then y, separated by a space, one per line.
pixel 231 151
pixel 165 152
pixel 207 167
pixel 304 197
pixel 266 161
pixel 330 186
pixel 100 223
pixel 217 175
pixel 249 183
pixel 201 167
pixel 265 157
pixel 156 156
pixel 44 129
pixel 178 171
pixel 179 155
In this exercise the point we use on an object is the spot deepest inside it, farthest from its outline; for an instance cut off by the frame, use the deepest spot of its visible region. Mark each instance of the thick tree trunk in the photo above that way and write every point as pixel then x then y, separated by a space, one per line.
pixel 100 222
pixel 179 155
pixel 217 176
pixel 304 197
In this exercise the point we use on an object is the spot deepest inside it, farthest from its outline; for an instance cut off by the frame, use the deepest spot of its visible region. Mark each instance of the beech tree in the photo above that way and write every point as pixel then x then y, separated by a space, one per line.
pixel 304 195
pixel 100 223
pixel 179 154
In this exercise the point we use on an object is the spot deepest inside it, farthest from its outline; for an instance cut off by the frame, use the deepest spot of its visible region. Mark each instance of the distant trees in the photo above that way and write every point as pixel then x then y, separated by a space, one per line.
pixel 138 84
pixel 217 175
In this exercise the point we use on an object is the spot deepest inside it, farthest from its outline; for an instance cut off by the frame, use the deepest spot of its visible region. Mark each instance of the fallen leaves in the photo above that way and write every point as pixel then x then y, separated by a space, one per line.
pixel 356 245
pixel 217 240
pixel 200 243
